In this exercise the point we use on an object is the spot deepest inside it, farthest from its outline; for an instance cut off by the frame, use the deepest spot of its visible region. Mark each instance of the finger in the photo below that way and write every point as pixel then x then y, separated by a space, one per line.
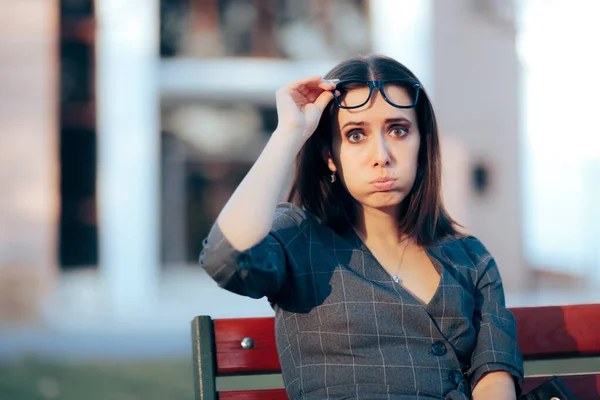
pixel 327 85
pixel 312 83
pixel 306 90
pixel 313 92
pixel 322 101
pixel 313 95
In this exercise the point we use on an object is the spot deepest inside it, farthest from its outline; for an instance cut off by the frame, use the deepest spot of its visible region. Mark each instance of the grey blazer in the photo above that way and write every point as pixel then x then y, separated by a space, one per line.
pixel 346 330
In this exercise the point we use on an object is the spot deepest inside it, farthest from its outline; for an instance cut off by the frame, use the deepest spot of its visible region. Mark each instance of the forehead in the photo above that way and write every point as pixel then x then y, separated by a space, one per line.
pixel 377 107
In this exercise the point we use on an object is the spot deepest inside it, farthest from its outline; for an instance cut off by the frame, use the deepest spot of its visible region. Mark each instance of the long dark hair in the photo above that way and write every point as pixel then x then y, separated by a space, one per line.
pixel 422 214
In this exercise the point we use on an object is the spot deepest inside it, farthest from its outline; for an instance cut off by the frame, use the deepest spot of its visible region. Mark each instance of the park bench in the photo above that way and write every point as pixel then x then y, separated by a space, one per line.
pixel 246 346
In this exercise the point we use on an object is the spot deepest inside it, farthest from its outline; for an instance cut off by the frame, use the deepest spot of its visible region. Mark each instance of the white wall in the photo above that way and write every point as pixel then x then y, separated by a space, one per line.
pixel 558 156
pixel 477 98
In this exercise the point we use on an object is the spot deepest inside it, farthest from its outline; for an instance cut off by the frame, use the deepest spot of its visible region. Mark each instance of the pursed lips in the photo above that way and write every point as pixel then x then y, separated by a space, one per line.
pixel 383 184
pixel 383 180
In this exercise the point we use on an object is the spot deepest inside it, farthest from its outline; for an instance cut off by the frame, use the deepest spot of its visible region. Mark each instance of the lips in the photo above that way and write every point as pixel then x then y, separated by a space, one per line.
pixel 383 180
pixel 383 184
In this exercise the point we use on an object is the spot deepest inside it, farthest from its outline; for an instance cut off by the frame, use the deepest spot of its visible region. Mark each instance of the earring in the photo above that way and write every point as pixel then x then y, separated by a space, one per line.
pixel 333 177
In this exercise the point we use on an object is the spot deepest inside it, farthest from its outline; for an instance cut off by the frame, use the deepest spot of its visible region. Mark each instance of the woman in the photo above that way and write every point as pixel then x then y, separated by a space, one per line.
pixel 376 293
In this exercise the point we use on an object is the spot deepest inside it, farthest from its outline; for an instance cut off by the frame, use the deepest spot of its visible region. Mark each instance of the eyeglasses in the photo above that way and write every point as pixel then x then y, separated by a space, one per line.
pixel 406 98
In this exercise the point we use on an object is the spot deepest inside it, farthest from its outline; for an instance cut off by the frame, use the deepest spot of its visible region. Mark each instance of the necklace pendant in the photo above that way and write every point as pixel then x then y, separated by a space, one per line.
pixel 395 278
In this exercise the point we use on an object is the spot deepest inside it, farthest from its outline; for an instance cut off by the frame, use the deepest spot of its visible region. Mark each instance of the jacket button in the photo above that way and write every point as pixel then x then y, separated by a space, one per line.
pixel 438 349
pixel 455 376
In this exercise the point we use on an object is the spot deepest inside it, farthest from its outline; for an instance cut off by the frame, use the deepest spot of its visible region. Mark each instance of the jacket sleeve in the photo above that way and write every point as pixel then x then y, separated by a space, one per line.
pixel 496 347
pixel 264 269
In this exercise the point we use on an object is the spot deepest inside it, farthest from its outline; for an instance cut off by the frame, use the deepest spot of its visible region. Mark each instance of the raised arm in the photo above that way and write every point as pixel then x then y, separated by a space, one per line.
pixel 246 249
pixel 247 217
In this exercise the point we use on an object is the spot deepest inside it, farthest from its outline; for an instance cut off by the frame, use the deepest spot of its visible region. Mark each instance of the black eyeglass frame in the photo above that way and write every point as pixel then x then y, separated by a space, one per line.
pixel 379 85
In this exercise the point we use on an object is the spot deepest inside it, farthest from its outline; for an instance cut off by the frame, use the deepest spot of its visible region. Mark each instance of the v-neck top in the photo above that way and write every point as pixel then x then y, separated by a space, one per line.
pixel 345 330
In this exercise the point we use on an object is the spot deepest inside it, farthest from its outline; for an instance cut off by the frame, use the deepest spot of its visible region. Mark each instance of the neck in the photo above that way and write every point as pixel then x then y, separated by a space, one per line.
pixel 379 226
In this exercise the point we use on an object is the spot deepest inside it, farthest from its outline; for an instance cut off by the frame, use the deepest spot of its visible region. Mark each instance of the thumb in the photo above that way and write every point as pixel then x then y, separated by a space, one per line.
pixel 323 99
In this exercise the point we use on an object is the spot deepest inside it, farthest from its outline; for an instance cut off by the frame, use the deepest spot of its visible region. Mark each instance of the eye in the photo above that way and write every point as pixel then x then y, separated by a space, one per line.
pixel 398 130
pixel 355 136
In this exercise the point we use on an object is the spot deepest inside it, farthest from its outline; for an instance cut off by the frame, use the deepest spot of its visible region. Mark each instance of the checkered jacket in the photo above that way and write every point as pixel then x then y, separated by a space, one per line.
pixel 346 330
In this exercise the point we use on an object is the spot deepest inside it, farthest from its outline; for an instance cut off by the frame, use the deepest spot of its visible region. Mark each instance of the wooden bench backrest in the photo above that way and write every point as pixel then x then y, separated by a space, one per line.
pixel 543 333
pixel 558 331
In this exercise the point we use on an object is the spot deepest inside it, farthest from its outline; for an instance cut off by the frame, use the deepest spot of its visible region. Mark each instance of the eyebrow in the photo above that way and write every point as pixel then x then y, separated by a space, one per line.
pixel 387 121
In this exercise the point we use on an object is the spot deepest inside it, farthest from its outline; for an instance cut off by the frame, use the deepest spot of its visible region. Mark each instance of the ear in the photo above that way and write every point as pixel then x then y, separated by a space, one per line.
pixel 327 157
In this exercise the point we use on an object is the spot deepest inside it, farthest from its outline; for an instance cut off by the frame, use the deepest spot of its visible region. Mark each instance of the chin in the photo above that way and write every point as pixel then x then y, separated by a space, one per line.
pixel 384 200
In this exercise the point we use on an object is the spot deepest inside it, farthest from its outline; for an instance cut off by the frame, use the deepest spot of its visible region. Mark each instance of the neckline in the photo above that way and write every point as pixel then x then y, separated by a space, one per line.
pixel 430 254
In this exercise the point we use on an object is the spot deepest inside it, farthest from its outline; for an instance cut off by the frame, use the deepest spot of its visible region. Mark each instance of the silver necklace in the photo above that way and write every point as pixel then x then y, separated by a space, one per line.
pixel 395 277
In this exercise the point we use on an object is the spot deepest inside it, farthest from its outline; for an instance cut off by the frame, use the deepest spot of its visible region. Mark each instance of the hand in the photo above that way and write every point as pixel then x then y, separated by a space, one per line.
pixel 301 104
pixel 495 385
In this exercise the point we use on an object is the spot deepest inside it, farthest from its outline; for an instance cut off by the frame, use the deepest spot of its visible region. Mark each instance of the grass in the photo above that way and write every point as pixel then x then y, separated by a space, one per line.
pixel 32 379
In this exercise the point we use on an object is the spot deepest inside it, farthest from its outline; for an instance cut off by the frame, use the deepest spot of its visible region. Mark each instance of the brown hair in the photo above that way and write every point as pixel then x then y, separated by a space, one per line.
pixel 422 214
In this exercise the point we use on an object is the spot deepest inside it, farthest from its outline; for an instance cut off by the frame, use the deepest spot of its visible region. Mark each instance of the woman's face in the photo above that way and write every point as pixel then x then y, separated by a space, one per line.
pixel 375 149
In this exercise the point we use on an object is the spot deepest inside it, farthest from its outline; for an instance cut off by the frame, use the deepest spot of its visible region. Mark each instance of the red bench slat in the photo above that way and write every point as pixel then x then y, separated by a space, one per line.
pixel 543 332
pixel 265 394
pixel 233 359
pixel 558 331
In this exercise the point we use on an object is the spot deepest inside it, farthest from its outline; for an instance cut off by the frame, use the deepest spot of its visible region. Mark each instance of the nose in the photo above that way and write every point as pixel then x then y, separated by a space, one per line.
pixel 382 156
